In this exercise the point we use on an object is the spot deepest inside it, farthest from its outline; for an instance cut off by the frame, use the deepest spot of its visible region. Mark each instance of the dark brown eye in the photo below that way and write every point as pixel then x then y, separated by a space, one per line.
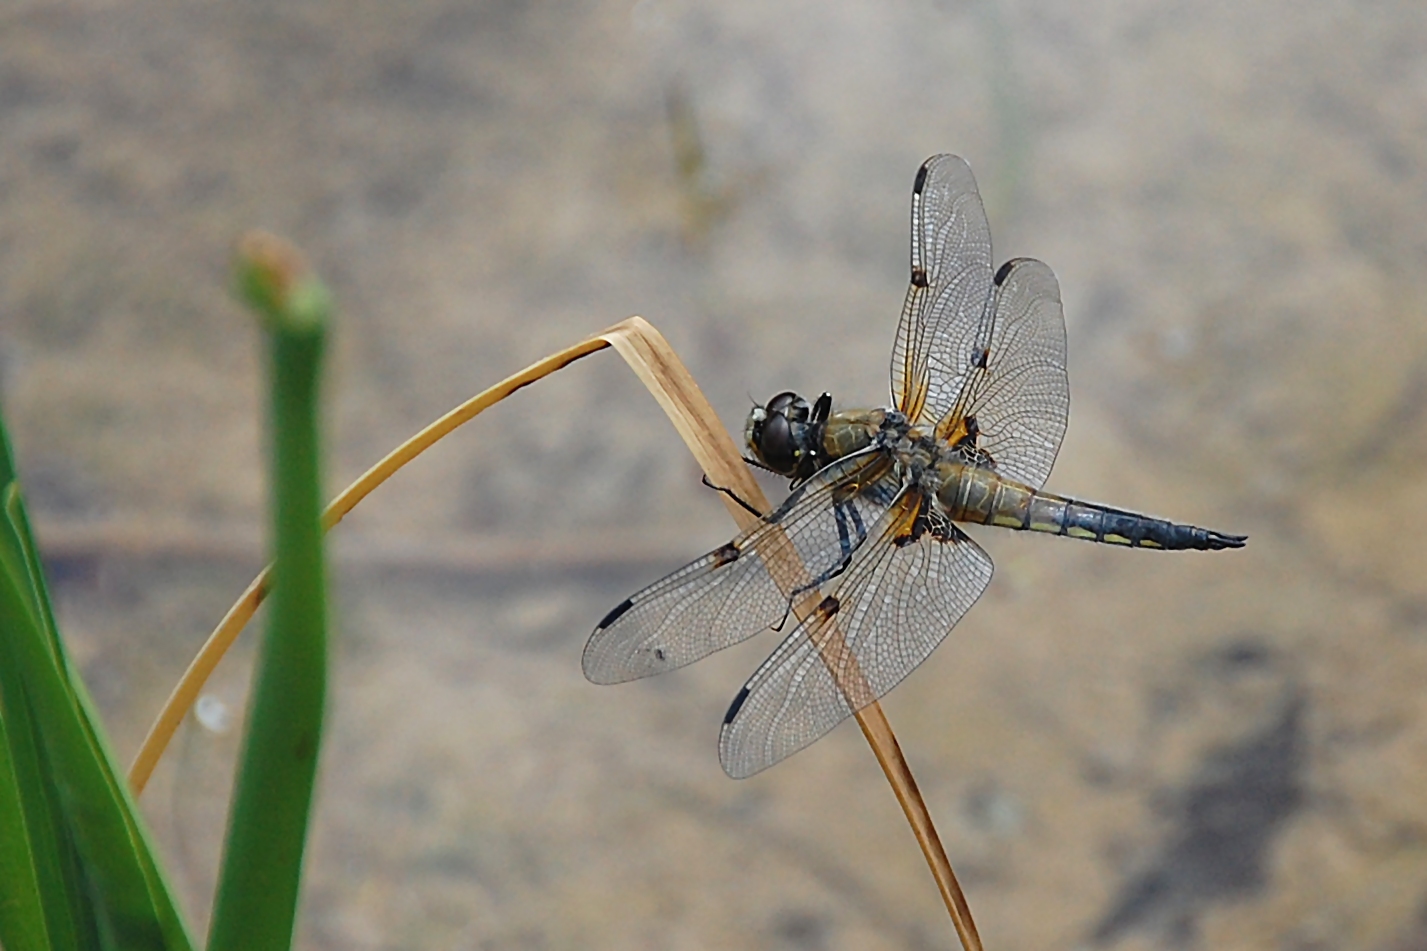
pixel 781 405
pixel 775 443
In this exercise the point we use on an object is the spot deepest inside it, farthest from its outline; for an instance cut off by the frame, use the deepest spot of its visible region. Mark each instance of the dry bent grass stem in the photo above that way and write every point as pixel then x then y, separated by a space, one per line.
pixel 660 370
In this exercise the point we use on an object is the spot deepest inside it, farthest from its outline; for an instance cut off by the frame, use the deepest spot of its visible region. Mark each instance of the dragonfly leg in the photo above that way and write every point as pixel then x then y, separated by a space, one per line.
pixel 733 495
pixel 848 520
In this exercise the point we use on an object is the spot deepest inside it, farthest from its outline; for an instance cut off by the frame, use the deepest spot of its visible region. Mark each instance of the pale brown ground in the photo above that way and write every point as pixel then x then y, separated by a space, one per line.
pixel 1122 748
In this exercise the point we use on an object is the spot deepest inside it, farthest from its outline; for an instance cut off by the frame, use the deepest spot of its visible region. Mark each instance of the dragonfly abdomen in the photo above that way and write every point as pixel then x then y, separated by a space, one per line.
pixel 981 496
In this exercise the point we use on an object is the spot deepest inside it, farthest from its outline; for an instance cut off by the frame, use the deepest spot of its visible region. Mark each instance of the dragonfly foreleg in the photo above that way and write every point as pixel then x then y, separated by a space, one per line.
pixel 733 495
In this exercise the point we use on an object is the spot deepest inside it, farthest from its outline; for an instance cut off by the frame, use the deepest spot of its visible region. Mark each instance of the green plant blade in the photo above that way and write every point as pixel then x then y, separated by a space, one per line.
pixel 35 896
pixel 256 903
pixel 84 849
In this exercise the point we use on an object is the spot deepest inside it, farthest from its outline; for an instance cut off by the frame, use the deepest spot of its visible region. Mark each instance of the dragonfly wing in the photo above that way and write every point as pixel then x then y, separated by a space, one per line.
pixel 1012 392
pixel 951 274
pixel 730 594
pixel 901 596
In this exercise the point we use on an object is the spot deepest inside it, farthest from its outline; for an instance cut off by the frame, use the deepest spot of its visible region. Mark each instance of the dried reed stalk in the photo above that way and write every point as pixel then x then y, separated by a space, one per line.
pixel 669 381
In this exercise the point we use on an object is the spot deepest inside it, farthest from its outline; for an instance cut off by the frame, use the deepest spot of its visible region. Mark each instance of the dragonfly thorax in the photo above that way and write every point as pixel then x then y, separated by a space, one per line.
pixel 918 454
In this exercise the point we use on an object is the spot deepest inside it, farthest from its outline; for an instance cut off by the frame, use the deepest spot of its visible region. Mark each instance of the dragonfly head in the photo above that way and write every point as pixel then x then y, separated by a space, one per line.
pixel 786 436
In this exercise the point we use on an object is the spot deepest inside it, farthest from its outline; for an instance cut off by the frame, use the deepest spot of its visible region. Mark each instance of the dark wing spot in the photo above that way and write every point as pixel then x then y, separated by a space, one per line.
pixel 727 554
pixel 829 606
pixel 613 616
pixel 945 532
pixel 921 522
pixel 919 277
pixel 979 358
pixel 1004 272
pixel 734 707
pixel 659 654
pixel 921 181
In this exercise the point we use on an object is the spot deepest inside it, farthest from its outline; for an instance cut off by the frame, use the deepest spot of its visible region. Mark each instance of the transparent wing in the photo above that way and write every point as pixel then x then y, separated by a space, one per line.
pixel 1011 387
pixel 892 607
pixel 730 594
pixel 951 277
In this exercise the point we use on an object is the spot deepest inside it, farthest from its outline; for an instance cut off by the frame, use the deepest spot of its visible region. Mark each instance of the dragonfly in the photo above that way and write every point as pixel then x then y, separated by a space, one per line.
pixel 865 557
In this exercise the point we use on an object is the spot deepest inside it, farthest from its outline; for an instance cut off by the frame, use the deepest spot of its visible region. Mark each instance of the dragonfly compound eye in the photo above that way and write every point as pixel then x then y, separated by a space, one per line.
pixel 791 405
pixel 775 444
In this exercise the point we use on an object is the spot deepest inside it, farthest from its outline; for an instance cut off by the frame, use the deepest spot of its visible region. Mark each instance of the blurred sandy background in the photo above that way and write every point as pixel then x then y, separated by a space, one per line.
pixel 1122 749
